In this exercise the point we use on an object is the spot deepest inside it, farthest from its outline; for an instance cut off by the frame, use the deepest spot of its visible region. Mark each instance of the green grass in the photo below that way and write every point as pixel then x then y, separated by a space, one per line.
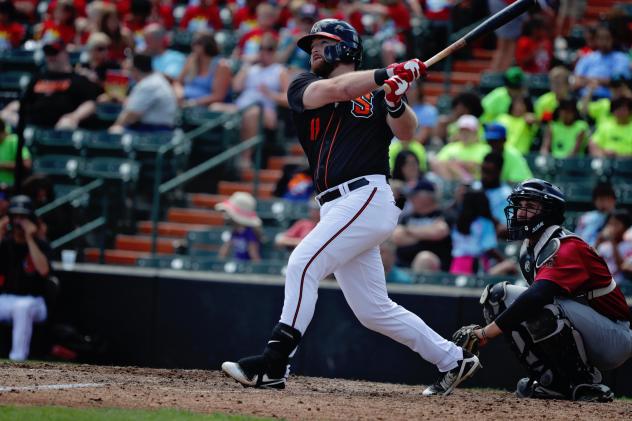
pixel 52 413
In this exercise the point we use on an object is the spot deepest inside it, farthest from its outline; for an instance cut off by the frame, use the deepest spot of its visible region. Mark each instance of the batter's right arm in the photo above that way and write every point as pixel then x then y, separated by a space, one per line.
pixel 341 88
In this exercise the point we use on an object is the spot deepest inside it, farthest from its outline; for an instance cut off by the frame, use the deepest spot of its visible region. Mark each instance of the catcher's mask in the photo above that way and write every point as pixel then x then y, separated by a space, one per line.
pixel 533 220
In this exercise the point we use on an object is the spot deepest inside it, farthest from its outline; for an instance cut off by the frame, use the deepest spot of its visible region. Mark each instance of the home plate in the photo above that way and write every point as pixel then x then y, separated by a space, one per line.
pixel 51 387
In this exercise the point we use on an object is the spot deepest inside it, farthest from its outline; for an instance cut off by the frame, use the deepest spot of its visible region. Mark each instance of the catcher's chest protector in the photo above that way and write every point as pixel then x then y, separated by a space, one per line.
pixel 534 257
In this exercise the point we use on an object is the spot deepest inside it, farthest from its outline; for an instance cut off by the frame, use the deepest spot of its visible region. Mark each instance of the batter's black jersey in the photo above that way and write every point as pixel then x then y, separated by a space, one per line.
pixel 343 140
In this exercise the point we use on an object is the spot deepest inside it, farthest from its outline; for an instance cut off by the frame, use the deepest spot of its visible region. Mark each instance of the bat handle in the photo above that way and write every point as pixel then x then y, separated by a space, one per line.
pixel 457 45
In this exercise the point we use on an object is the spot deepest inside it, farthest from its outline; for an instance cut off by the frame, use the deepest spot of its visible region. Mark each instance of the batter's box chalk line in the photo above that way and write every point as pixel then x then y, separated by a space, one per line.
pixel 51 387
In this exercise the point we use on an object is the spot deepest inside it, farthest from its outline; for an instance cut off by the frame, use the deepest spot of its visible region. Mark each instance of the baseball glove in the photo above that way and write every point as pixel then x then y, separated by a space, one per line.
pixel 466 339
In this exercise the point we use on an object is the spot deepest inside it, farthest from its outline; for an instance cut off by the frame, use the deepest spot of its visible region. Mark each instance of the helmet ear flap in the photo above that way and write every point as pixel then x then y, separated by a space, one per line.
pixel 342 52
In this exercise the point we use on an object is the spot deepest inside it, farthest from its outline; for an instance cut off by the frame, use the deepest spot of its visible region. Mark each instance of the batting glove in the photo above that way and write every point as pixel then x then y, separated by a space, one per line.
pixel 398 88
pixel 408 70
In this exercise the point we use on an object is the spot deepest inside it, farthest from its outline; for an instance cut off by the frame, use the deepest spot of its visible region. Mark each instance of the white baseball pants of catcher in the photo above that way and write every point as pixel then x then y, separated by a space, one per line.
pixel 346 243
pixel 22 311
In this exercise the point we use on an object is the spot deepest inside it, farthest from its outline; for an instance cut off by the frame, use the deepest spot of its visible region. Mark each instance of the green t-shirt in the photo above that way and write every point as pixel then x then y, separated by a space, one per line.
pixel 415 147
pixel 564 138
pixel 8 149
pixel 600 109
pixel 614 137
pixel 519 134
pixel 515 167
pixel 472 152
pixel 495 103
pixel 547 102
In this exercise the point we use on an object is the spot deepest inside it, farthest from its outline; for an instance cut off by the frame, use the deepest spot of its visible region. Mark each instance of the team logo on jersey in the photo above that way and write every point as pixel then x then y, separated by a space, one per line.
pixel 362 107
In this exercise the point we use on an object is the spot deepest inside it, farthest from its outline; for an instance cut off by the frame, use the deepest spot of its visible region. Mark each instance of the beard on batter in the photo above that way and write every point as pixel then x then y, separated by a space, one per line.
pixel 322 68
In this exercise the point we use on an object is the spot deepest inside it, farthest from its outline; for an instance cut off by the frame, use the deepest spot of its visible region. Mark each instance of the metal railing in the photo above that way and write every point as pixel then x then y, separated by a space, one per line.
pixel 162 188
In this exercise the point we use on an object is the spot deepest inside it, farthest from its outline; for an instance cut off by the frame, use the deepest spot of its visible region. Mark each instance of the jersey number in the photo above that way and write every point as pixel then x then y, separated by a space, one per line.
pixel 362 107
pixel 314 128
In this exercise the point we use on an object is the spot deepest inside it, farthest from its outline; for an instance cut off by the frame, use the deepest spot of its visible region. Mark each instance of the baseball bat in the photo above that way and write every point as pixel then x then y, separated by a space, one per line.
pixel 488 25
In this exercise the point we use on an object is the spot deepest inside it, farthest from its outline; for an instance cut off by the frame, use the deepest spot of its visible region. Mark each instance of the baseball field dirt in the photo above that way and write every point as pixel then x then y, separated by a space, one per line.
pixel 305 398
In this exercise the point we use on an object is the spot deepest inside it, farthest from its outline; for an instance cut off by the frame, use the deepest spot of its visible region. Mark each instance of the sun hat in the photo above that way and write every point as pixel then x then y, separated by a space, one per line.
pixel 240 207
pixel 468 122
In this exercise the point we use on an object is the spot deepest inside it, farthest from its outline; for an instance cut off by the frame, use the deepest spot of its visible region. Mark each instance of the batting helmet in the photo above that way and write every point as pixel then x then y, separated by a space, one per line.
pixel 348 49
pixel 551 199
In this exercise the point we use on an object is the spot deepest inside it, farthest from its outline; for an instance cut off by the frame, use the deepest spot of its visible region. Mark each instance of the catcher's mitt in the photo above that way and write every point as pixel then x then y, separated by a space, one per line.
pixel 466 339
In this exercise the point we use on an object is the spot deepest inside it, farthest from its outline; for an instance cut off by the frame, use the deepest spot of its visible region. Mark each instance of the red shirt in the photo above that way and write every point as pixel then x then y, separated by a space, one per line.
pixel 80 7
pixel 255 35
pixel 534 56
pixel 64 32
pixel 577 268
pixel 11 33
pixel 208 14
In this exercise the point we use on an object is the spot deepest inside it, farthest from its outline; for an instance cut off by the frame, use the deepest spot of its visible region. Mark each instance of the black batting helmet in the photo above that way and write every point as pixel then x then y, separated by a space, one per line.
pixel 348 49
pixel 553 205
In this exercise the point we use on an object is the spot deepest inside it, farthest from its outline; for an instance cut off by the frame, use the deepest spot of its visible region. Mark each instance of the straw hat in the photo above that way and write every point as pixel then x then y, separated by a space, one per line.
pixel 240 207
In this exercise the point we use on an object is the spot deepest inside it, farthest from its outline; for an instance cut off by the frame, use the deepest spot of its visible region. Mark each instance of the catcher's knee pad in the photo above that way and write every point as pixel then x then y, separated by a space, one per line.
pixel 493 300
pixel 550 344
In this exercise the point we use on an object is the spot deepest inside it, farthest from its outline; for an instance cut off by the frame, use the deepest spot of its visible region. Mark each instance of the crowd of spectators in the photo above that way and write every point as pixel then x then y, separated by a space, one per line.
pixel 130 55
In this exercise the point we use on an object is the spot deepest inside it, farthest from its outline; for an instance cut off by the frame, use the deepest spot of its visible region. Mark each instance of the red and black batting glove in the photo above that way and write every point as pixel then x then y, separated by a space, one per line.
pixel 410 70
pixel 398 88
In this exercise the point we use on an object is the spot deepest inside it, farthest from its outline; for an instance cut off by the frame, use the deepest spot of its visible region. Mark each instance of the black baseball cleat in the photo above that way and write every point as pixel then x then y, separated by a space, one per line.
pixel 527 388
pixel 592 393
pixel 451 379
pixel 255 372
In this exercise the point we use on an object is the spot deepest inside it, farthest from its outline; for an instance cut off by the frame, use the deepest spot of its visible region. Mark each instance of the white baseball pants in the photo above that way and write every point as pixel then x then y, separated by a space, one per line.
pixel 22 311
pixel 346 243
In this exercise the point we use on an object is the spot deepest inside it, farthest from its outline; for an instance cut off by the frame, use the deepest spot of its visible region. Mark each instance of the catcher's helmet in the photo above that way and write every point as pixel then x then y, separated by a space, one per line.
pixel 348 49
pixel 549 196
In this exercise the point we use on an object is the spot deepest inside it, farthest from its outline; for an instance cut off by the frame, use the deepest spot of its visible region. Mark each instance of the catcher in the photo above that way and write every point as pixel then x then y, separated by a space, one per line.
pixel 572 320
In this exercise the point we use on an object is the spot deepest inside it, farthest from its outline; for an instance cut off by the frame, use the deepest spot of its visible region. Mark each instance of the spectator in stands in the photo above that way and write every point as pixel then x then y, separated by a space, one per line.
pixel 8 152
pixel 245 238
pixel 406 175
pixel 300 186
pixel 545 105
pixel 601 108
pixel 99 61
pixel 427 114
pixel 24 270
pixel 515 167
pixel 264 83
pixel 498 101
pixel 299 229
pixel 57 97
pixel 567 134
pixel 151 105
pixel 206 77
pixel 534 50
pixel 11 32
pixel 474 240
pixel 121 37
pixel 569 12
pixel 39 188
pixel 249 44
pixel 61 26
pixel 162 13
pixel 288 53
pixel 613 136
pixel 461 159
pixel 520 123
pixel 590 223
pixel 601 65
pixel 422 237
pixel 462 104
pixel 166 61
pixel 203 16
pixel 506 37
pixel 496 190
pixel 137 20
pixel 4 203
pixel 394 274
pixel 612 246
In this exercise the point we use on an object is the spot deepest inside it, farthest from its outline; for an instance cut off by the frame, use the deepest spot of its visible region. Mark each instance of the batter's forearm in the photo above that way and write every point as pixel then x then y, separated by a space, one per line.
pixel 404 126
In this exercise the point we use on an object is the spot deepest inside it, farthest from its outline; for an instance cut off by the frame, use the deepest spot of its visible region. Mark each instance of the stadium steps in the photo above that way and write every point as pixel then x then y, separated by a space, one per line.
pixel 227 188
pixel 457 78
pixel 143 243
pixel 115 257
pixel 295 149
pixel 204 200
pixel 471 66
pixel 171 229
pixel 482 54
pixel 265 176
pixel 195 216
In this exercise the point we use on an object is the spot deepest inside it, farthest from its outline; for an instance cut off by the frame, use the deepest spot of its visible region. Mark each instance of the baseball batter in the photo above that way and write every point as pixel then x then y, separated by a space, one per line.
pixel 345 125
pixel 573 319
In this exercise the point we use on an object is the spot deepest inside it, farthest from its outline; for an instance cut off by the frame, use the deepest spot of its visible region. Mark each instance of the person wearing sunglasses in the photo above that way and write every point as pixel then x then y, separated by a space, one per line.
pixel 99 62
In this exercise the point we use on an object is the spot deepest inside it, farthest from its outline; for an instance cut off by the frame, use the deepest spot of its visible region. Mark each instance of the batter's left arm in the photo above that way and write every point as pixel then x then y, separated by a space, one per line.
pixel 404 126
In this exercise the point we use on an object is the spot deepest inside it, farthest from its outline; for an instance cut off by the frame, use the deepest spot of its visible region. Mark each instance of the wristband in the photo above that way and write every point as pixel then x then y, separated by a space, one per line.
pixel 397 111
pixel 380 76
pixel 484 335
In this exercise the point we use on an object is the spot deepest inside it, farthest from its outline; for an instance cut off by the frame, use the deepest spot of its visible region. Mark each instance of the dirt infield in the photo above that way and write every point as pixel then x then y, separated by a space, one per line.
pixel 304 398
